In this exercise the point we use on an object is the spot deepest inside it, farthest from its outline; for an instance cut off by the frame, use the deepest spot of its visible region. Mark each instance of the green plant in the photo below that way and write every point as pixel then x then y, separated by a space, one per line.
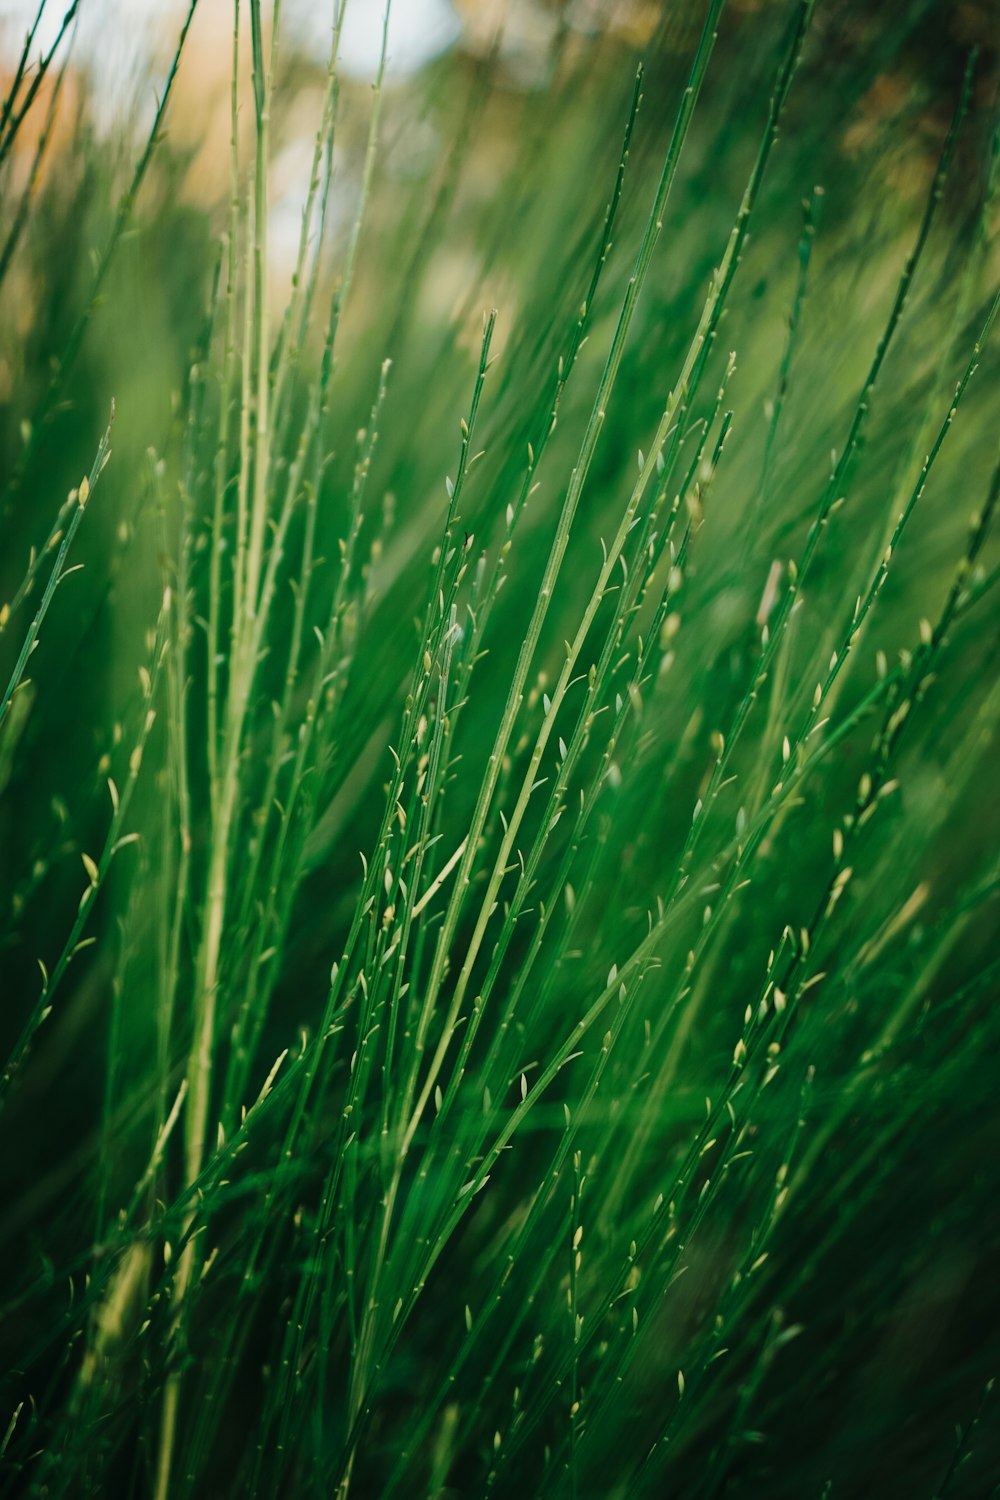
pixel 528 1012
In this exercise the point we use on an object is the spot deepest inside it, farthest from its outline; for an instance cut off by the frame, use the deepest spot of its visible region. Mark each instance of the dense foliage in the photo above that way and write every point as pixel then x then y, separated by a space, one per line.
pixel 498 840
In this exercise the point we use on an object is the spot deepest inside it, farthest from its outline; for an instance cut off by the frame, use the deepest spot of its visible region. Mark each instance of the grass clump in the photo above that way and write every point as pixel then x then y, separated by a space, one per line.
pixel 525 1024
